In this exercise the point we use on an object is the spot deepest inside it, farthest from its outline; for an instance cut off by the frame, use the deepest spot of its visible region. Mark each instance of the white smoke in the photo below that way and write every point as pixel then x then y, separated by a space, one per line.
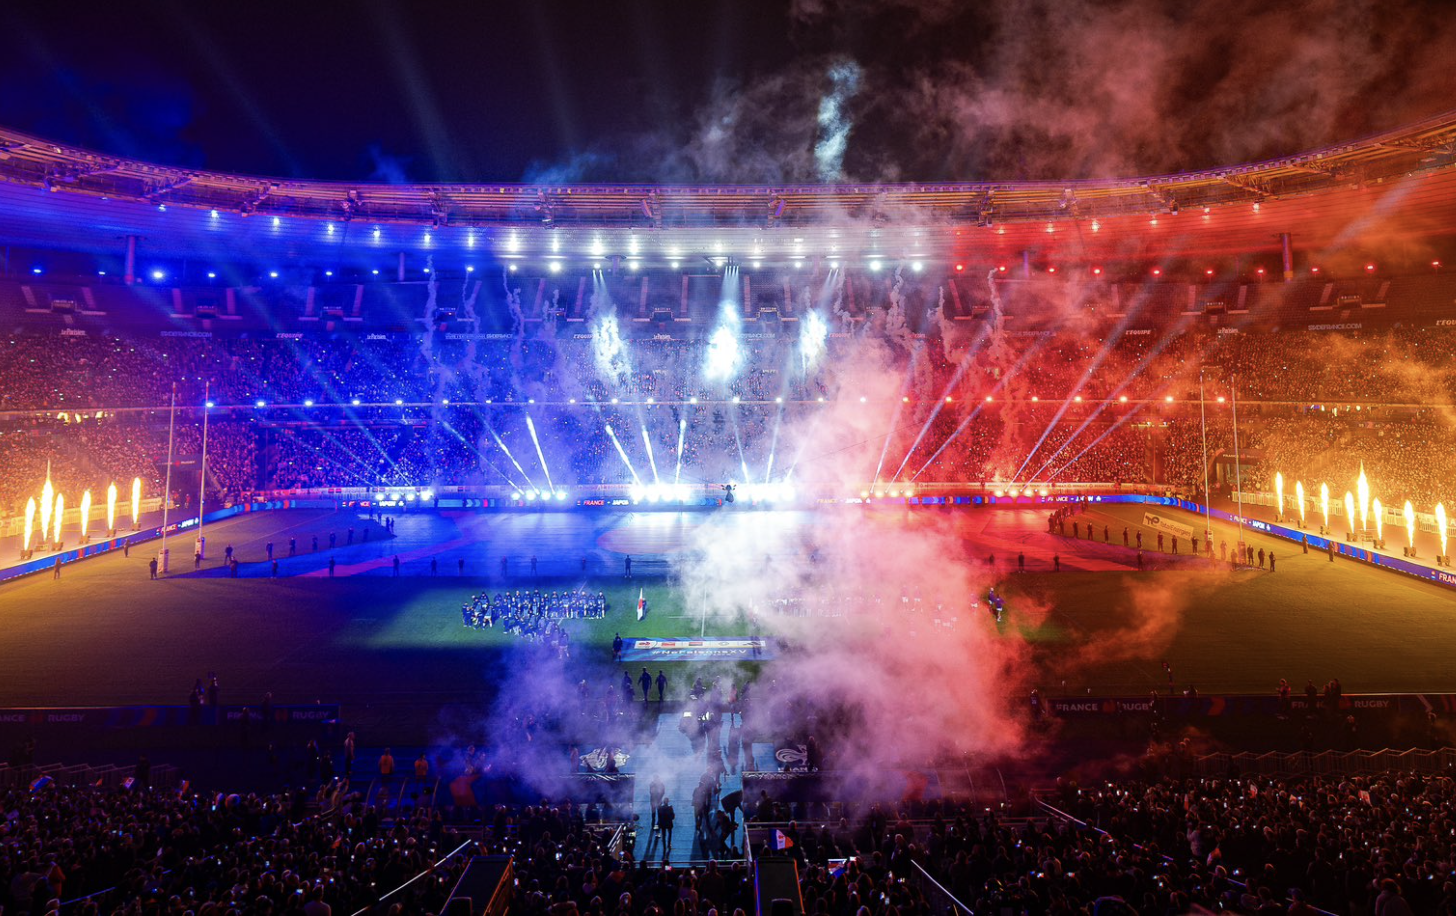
pixel 609 349
pixel 835 120
pixel 812 335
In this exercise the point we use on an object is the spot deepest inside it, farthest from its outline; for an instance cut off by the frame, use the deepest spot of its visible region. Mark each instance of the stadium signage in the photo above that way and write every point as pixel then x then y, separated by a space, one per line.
pixel 288 335
pixel 1235 705
pixel 1446 322
pixel 1159 523
pixel 723 648
pixel 1137 332
pixel 73 332
pixel 1346 326
pixel 186 333
pixel 1081 706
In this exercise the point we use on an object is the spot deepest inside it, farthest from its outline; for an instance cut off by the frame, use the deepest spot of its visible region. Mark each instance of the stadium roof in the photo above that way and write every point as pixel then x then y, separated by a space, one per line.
pixel 1399 184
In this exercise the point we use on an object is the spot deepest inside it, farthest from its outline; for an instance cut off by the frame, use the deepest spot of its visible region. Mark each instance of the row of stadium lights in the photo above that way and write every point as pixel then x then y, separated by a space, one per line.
pixel 557 265
pixel 598 250
pixel 261 403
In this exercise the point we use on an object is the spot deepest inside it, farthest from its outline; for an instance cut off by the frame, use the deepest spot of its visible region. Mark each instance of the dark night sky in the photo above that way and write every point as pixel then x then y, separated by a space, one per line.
pixel 717 90
pixel 316 89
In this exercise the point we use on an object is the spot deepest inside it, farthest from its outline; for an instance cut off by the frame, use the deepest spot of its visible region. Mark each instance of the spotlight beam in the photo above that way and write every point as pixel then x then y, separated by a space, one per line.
pixel 738 441
pixel 1101 357
pixel 522 471
pixel 611 434
pixel 1111 398
pixel 682 429
pixel 996 389
pixel 651 457
pixel 773 447
pixel 1093 444
pixel 530 424
pixel 1067 402
pixel 899 405
pixel 940 403
pixel 445 424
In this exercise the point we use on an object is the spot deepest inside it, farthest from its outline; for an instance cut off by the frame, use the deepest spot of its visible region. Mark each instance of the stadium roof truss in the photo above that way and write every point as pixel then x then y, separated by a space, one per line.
pixel 1413 150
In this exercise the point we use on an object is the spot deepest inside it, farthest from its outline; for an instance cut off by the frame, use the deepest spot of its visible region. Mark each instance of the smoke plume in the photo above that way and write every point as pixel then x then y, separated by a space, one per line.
pixel 1050 89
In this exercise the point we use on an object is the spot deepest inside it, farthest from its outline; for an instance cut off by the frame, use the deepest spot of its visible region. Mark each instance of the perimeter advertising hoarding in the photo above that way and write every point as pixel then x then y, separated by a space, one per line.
pixel 48 562
pixel 1166 525
pixel 1230 705
pixel 159 716
pixel 1429 573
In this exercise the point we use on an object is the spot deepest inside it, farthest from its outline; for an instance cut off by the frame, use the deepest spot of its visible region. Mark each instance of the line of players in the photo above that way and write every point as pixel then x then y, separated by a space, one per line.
pixel 532 614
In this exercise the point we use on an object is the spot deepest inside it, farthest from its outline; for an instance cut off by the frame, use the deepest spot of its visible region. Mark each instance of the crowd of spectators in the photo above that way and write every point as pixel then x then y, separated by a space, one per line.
pixel 1347 844
pixel 1055 412
pixel 1253 845
pixel 1239 844
pixel 135 850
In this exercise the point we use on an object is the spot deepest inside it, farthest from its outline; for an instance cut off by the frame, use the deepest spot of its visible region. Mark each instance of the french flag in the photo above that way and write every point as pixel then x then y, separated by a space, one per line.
pixel 641 603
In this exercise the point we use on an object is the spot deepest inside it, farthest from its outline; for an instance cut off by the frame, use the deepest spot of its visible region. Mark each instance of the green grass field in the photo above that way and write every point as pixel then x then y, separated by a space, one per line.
pixel 105 635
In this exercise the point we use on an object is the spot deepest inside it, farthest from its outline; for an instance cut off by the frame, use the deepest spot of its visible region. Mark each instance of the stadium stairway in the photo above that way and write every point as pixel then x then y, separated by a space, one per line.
pixel 671 756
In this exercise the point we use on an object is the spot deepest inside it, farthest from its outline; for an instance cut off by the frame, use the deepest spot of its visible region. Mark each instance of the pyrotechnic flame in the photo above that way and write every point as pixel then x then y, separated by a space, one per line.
pixel 29 521
pixel 47 502
pixel 1350 509
pixel 111 507
pixel 1379 512
pixel 1299 495
pixel 724 355
pixel 1441 525
pixel 812 334
pixel 1325 502
pixel 1362 487
pixel 136 500
pixel 85 511
pixel 1410 525
pixel 60 513
pixel 1279 491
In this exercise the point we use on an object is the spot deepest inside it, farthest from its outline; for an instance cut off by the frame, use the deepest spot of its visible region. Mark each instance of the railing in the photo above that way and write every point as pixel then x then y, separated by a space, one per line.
pixel 617 843
pixel 105 776
pixel 1328 763
pixel 936 890
pixel 429 871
